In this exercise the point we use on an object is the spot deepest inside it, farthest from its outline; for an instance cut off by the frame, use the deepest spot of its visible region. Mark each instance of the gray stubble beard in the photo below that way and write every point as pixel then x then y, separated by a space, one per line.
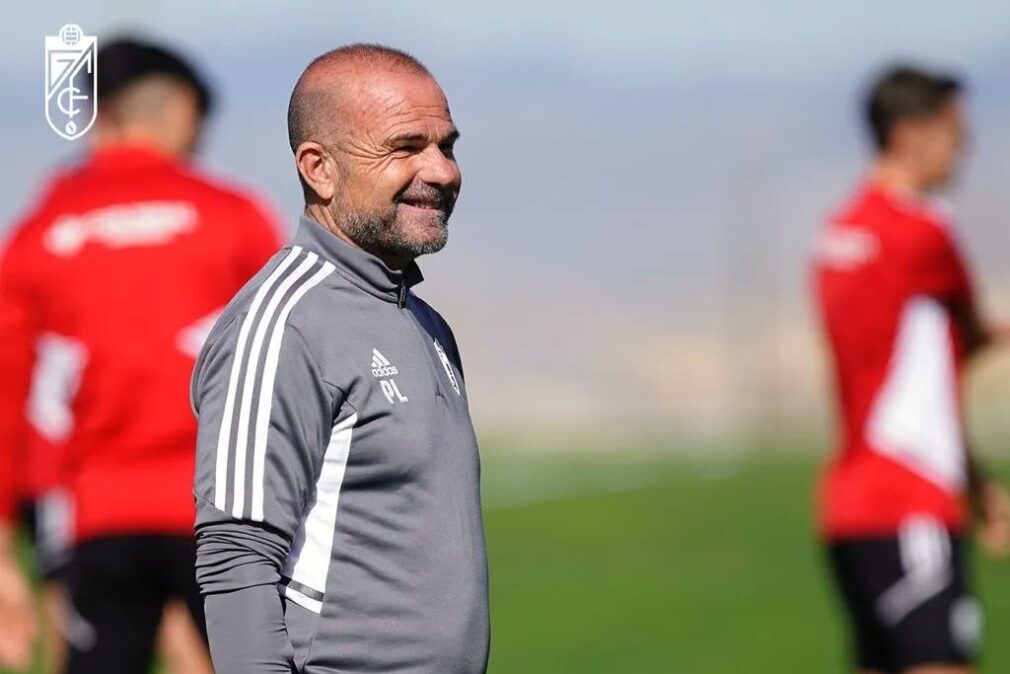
pixel 380 233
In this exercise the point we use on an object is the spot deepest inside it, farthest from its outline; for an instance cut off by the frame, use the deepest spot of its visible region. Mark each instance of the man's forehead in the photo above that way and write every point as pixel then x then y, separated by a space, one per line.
pixel 393 102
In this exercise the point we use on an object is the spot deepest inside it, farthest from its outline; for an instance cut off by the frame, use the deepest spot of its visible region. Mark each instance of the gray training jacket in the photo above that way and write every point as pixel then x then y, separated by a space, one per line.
pixel 337 482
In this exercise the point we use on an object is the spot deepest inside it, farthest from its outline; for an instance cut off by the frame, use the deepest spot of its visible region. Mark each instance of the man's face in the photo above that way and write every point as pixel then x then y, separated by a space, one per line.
pixel 397 175
pixel 937 145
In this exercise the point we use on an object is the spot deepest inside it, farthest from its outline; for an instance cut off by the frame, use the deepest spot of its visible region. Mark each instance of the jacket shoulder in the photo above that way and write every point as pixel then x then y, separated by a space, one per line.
pixel 431 313
pixel 282 290
pixel 240 305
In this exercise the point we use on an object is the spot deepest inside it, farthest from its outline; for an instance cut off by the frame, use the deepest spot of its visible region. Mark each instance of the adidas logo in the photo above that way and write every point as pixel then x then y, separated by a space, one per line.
pixel 384 371
pixel 381 367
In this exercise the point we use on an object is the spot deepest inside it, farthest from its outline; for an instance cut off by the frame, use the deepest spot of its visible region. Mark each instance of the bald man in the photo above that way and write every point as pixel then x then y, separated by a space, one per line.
pixel 339 525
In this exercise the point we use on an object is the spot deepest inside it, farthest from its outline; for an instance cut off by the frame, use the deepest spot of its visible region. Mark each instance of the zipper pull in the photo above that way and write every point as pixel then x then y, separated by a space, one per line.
pixel 402 301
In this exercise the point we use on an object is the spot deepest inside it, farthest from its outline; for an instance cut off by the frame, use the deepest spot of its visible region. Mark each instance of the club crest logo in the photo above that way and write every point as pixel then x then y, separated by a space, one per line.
pixel 71 81
pixel 448 366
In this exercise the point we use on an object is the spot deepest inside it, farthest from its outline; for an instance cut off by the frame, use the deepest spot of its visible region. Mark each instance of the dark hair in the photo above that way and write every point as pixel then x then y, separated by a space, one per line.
pixel 904 92
pixel 125 61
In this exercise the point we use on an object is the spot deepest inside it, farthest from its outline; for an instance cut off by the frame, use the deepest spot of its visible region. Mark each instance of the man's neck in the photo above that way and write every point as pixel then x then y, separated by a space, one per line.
pixel 132 137
pixel 894 177
pixel 322 215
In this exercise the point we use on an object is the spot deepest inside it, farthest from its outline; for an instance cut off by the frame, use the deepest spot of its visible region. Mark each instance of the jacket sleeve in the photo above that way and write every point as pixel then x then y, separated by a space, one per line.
pixel 265 415
pixel 17 338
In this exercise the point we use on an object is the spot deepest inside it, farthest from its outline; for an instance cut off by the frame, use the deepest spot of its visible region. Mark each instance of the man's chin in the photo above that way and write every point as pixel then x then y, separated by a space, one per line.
pixel 428 233
pixel 429 245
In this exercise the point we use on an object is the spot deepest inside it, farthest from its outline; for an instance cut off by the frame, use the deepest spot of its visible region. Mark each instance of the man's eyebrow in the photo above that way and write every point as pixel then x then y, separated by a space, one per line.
pixel 418 137
pixel 409 137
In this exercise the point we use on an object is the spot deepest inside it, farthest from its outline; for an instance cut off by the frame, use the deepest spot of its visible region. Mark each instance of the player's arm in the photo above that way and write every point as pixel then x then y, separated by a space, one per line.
pixel 991 505
pixel 988 497
pixel 17 326
pixel 247 518
pixel 939 271
pixel 977 333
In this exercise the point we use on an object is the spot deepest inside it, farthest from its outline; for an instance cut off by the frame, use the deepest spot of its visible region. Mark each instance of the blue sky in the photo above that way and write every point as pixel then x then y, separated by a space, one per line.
pixel 635 174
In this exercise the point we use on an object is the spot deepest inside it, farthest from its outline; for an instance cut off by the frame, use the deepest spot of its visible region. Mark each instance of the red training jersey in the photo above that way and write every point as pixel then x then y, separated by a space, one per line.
pixel 887 271
pixel 107 290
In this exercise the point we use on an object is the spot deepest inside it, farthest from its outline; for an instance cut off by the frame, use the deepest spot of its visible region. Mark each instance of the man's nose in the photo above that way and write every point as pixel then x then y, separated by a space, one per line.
pixel 439 169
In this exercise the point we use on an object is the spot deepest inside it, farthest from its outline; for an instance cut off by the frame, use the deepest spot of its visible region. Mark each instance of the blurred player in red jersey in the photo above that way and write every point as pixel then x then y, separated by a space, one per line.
pixel 107 290
pixel 898 308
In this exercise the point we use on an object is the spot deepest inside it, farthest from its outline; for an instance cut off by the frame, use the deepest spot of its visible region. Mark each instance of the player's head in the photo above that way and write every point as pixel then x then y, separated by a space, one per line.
pixel 373 142
pixel 150 96
pixel 915 118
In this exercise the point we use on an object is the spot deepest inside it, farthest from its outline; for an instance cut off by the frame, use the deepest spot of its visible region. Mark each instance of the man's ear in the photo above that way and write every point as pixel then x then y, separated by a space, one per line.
pixel 318 173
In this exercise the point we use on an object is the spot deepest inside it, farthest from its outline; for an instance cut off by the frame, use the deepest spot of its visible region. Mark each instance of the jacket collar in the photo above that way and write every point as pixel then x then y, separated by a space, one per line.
pixel 358 266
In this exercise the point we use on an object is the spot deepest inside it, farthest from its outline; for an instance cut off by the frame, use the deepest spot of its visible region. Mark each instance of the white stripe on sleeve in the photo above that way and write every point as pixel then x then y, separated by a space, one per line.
pixel 267 389
pixel 224 435
pixel 251 375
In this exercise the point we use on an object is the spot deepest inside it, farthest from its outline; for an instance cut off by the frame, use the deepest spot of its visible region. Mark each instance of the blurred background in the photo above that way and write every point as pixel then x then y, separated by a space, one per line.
pixel 626 276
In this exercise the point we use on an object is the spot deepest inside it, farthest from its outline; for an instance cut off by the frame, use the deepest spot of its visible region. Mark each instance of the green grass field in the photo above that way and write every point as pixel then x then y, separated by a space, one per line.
pixel 644 567
pixel 649 566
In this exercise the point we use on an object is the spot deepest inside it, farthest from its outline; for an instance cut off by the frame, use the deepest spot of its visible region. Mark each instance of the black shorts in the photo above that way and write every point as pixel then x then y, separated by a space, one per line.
pixel 118 587
pixel 908 598
pixel 47 521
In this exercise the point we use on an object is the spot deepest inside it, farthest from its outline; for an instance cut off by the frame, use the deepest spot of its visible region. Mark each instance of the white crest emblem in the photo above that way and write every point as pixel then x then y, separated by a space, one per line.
pixel 448 366
pixel 70 97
